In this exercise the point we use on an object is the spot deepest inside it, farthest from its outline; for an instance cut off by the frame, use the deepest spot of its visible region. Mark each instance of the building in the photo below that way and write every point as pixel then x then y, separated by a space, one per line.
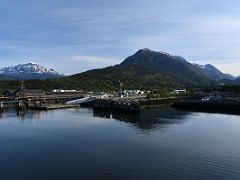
pixel 63 91
pixel 127 93
pixel 179 91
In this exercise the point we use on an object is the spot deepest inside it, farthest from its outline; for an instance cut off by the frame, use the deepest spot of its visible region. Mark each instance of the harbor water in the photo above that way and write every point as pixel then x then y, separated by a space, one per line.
pixel 83 143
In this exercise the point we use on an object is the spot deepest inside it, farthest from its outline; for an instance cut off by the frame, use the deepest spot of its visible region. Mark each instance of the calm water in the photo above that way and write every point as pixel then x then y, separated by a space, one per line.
pixel 160 143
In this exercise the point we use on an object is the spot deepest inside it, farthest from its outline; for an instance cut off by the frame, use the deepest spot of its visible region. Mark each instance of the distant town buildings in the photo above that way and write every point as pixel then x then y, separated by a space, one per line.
pixel 63 91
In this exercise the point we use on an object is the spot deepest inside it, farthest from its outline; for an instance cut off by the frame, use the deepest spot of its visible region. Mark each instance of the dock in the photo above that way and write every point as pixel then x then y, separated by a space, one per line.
pixel 117 104
pixel 52 107
pixel 131 105
pixel 158 101
pixel 50 102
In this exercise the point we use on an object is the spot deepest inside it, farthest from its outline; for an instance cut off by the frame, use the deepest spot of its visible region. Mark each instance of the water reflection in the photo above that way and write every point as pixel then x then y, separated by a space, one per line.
pixel 148 118
pixel 23 114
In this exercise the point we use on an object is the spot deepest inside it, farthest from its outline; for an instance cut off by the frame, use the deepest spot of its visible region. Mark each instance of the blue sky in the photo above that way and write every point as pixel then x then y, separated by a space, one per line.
pixel 72 36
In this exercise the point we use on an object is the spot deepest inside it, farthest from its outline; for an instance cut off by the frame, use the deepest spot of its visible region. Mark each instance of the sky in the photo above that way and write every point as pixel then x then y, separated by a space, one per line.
pixel 73 36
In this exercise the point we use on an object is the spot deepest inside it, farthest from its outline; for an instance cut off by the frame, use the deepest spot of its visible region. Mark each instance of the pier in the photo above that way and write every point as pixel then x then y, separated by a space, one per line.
pixel 50 102
pixel 53 106
pixel 45 102
pixel 131 104
pixel 158 101
pixel 117 104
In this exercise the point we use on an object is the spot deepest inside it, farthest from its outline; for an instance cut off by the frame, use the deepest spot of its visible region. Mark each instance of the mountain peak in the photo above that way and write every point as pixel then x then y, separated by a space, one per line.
pixel 209 66
pixel 147 56
pixel 146 50
pixel 32 63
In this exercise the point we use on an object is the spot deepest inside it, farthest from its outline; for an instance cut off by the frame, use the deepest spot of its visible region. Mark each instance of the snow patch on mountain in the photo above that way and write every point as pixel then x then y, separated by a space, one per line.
pixel 27 68
pixel 30 70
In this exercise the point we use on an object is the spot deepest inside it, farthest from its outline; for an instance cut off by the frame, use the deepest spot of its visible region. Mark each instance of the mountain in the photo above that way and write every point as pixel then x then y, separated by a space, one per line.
pixel 215 73
pixel 237 80
pixel 6 77
pixel 28 71
pixel 226 82
pixel 175 67
pixel 229 76
pixel 146 69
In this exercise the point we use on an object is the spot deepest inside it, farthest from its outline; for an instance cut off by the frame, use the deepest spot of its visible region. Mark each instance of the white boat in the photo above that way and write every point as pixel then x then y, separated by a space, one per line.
pixel 81 101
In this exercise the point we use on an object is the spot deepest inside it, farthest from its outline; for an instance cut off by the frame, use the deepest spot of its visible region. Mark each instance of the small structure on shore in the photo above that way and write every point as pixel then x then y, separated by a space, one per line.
pixel 179 91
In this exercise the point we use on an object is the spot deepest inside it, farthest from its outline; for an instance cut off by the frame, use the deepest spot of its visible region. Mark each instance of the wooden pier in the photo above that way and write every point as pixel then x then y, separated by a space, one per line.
pixel 52 107
pixel 39 102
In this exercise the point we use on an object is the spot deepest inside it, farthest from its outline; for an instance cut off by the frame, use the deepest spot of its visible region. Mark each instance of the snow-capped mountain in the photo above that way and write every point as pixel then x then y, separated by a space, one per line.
pixel 29 71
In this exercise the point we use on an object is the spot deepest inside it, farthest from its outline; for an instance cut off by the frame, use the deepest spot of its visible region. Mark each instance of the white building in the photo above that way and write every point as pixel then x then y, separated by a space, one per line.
pixel 127 93
pixel 63 91
pixel 179 91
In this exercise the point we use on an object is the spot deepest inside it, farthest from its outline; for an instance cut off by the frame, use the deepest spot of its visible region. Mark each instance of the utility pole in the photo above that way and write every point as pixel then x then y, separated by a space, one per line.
pixel 22 88
pixel 120 87
pixel 22 85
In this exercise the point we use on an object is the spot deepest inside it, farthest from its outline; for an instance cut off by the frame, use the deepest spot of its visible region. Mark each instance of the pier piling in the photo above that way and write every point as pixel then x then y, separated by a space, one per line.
pixel 1 106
